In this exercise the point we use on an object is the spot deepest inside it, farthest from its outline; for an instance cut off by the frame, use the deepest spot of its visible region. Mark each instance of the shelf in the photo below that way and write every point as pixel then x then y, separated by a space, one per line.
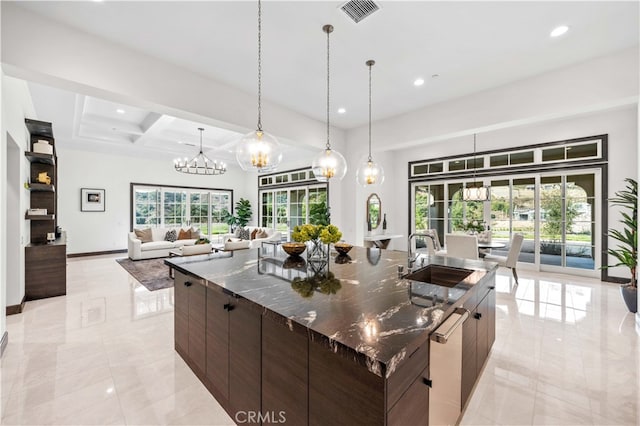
pixel 39 128
pixel 41 187
pixel 39 217
pixel 36 157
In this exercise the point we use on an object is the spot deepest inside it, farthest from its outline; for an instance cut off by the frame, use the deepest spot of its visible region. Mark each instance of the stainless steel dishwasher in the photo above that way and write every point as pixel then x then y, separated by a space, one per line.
pixel 445 370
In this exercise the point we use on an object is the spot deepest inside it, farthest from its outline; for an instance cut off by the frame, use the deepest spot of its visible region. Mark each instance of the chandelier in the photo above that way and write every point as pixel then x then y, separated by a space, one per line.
pixel 200 164
pixel 370 173
pixel 258 150
pixel 476 193
pixel 329 163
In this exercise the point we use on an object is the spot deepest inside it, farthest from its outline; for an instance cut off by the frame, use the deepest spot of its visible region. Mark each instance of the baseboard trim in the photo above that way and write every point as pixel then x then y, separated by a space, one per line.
pixel 17 309
pixel 617 280
pixel 4 342
pixel 96 253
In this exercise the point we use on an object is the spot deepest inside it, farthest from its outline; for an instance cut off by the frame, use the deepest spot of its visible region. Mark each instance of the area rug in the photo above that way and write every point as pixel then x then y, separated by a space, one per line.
pixel 151 273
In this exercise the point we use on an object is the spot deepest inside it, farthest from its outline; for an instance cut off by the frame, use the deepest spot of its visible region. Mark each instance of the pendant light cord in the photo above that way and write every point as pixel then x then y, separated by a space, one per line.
pixel 328 31
pixel 259 66
pixel 370 63
pixel 201 130
pixel 475 164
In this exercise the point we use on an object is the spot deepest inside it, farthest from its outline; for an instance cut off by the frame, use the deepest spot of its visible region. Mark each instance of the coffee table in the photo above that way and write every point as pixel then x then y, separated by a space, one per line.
pixel 178 253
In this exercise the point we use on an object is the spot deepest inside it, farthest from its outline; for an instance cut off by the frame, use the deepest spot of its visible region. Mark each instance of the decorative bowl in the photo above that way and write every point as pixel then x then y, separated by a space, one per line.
pixel 343 248
pixel 294 249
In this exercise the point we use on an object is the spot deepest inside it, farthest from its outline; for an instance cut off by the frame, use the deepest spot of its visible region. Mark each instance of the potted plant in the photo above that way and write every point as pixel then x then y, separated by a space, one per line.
pixel 626 251
pixel 242 216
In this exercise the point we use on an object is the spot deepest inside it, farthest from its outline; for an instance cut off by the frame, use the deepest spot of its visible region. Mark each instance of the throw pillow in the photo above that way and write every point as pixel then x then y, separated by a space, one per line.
pixel 195 234
pixel 171 235
pixel 262 234
pixel 237 232
pixel 144 235
pixel 184 234
pixel 253 233
pixel 244 234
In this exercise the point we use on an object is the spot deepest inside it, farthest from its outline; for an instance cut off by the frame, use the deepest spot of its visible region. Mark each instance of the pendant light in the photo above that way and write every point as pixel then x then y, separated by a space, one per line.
pixel 200 164
pixel 370 174
pixel 259 150
pixel 329 163
pixel 476 193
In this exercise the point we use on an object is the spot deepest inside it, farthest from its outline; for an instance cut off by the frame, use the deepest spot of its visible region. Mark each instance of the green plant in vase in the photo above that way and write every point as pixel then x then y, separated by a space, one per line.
pixel 626 252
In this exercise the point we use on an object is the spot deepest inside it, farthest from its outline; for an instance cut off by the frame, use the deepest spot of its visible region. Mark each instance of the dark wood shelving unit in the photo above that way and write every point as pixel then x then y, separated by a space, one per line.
pixel 41 187
pixel 36 157
pixel 40 217
pixel 45 263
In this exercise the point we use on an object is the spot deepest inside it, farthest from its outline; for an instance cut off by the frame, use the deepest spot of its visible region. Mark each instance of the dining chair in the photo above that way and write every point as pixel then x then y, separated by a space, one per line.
pixel 462 245
pixel 511 259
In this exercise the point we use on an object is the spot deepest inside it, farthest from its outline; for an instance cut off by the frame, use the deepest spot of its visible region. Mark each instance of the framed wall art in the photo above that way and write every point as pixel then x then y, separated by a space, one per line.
pixel 92 200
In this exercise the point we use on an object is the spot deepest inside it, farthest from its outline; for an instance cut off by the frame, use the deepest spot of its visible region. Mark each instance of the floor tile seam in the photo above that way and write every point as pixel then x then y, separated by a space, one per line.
pixel 115 386
pixel 565 404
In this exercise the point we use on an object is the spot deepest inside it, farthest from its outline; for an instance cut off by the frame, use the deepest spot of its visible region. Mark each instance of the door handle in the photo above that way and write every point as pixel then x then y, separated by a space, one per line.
pixel 477 315
pixel 427 382
pixel 187 284
pixel 228 307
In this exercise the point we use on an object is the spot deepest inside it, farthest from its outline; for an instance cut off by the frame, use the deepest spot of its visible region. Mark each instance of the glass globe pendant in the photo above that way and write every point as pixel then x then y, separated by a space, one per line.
pixel 258 150
pixel 370 173
pixel 329 163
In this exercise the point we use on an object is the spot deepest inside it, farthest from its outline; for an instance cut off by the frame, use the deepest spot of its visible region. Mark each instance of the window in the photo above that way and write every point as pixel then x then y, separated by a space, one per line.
pixel 285 208
pixel 159 206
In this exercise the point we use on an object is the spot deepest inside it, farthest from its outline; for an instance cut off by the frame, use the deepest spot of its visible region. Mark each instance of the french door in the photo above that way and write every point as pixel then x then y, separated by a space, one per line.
pixel 558 214
pixel 283 209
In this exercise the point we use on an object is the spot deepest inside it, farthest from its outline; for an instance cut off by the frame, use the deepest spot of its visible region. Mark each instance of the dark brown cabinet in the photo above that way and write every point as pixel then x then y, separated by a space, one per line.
pixel 190 312
pixel 413 408
pixel 219 336
pixel 45 262
pixel 478 335
pixel 285 366
pixel 245 355
pixel 217 340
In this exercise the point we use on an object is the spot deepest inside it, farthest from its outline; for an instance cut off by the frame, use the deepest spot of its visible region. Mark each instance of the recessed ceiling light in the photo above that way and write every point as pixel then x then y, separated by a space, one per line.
pixel 418 82
pixel 120 111
pixel 180 142
pixel 558 31
pixel 341 110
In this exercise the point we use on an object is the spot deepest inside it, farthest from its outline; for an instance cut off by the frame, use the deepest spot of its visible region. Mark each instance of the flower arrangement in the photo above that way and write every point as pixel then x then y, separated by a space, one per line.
pixel 329 234
pixel 473 226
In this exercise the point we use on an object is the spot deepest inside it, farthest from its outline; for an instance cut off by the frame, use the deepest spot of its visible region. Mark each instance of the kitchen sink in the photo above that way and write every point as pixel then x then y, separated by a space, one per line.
pixel 445 276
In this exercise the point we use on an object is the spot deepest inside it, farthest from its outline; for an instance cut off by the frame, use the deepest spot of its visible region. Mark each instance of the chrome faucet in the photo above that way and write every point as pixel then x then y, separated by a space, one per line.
pixel 411 258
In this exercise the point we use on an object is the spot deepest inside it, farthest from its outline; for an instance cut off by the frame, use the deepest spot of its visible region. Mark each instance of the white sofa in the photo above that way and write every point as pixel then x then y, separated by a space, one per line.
pixel 256 242
pixel 156 248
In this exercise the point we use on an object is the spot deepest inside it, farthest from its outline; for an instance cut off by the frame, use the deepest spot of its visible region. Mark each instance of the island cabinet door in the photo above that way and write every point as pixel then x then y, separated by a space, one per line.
pixel 197 312
pixel 181 314
pixel 245 329
pixel 485 314
pixel 469 356
pixel 412 409
pixel 217 341
pixel 341 390
pixel 285 369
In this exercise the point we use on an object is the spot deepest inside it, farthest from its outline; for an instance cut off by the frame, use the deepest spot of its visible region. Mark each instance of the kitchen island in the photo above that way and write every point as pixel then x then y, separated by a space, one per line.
pixel 275 342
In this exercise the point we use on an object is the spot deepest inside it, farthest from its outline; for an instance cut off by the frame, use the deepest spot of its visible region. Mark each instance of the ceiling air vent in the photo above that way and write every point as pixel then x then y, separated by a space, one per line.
pixel 357 10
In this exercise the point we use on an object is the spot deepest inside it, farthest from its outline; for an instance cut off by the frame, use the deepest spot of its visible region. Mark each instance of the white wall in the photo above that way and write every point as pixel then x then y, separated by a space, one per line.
pixel 102 231
pixel 16 106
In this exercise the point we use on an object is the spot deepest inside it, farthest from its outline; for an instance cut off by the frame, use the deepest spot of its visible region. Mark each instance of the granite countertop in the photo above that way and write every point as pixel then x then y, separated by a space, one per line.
pixel 364 306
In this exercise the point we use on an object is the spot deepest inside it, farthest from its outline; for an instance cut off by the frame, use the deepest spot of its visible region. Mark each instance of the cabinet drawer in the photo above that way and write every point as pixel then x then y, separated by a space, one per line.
pixel 407 372
pixel 413 408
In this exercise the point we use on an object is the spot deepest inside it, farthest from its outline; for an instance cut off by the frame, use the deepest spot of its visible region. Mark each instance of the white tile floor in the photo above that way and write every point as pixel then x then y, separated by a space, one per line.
pixel 566 352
